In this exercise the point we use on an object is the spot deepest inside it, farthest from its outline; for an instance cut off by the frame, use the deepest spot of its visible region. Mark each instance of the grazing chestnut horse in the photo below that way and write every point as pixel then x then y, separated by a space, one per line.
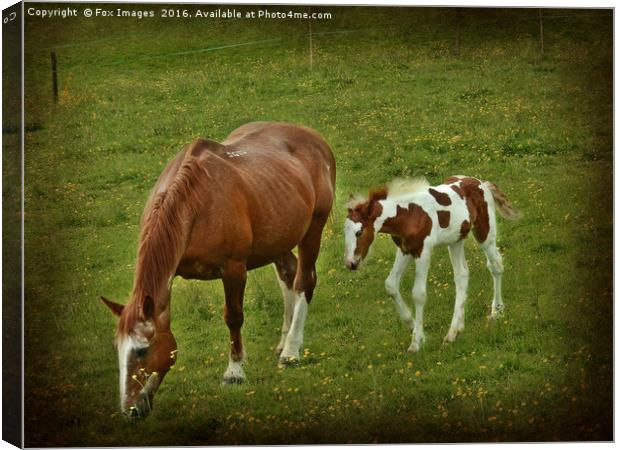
pixel 420 218
pixel 217 211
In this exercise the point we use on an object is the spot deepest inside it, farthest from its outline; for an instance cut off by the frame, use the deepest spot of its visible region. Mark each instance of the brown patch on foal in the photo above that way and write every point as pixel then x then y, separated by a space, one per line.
pixel 444 218
pixel 458 190
pixel 477 207
pixel 465 227
pixel 410 226
pixel 451 180
pixel 398 241
pixel 442 198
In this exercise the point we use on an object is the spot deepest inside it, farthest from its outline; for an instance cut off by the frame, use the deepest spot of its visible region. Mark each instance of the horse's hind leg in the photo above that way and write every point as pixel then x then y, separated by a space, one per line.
pixel 286 268
pixel 305 281
pixel 234 277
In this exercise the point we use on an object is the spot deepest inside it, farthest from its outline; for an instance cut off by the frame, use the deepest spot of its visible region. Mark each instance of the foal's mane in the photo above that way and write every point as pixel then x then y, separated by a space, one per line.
pixel 164 234
pixel 400 187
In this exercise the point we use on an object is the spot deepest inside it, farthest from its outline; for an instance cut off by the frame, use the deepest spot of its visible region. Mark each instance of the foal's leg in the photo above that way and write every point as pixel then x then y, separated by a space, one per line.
pixel 461 279
pixel 286 267
pixel 419 297
pixel 495 266
pixel 305 281
pixel 234 277
pixel 392 286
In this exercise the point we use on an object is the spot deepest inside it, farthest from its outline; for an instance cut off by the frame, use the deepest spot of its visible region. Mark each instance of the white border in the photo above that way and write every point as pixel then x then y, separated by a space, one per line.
pixel 479 3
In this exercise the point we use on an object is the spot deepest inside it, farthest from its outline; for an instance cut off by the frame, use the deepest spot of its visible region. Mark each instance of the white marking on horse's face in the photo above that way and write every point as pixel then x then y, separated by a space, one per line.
pixel 352 230
pixel 128 349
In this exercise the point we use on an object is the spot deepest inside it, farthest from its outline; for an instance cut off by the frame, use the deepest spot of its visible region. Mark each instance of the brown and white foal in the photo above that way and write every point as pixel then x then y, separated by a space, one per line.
pixel 419 218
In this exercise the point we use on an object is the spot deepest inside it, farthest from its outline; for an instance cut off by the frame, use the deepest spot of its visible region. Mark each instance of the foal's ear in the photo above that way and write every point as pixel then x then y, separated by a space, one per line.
pixel 354 201
pixel 374 209
pixel 116 308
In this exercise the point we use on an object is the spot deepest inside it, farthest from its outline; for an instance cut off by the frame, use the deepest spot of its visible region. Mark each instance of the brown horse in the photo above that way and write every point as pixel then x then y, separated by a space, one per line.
pixel 217 211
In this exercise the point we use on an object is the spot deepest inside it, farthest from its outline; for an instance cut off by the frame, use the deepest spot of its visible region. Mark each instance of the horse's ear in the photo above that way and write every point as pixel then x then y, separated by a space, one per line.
pixel 148 307
pixel 116 308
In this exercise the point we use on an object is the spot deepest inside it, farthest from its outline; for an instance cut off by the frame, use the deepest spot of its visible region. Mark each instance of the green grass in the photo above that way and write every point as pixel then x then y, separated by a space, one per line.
pixel 392 100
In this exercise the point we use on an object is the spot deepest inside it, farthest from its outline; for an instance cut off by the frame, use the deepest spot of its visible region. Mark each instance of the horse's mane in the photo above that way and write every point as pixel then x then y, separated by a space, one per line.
pixel 165 228
pixel 400 187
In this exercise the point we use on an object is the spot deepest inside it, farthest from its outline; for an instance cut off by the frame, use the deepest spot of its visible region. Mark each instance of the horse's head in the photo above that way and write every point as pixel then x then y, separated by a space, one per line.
pixel 359 227
pixel 146 351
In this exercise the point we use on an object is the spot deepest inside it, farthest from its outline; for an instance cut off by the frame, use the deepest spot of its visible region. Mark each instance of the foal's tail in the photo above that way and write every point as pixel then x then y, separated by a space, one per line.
pixel 503 205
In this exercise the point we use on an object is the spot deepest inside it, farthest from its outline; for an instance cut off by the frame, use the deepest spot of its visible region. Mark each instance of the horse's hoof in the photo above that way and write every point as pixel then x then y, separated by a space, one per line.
pixel 232 380
pixel 288 361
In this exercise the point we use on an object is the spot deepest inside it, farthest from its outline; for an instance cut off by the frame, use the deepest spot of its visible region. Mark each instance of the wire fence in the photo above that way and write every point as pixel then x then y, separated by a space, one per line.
pixel 462 19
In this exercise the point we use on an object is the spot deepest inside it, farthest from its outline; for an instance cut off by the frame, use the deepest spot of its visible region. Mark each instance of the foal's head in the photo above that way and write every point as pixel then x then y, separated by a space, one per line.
pixel 359 226
pixel 146 351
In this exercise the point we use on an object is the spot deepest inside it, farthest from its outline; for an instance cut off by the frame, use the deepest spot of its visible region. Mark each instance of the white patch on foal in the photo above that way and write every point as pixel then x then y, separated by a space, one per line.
pixel 388 210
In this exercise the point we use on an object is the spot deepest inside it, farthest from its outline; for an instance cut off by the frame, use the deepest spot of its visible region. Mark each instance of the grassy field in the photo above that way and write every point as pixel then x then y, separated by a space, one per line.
pixel 393 96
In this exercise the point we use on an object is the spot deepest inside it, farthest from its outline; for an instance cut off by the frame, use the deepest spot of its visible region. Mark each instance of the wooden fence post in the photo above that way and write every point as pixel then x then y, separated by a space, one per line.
pixel 542 38
pixel 457 37
pixel 310 39
pixel 54 78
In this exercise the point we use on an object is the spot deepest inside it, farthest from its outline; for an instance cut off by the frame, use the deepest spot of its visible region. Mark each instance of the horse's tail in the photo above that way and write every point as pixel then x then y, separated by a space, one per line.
pixel 503 205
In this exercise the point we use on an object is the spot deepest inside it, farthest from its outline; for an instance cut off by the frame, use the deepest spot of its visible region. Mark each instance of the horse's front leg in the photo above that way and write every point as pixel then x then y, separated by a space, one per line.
pixel 392 286
pixel 461 279
pixel 419 298
pixel 305 281
pixel 234 277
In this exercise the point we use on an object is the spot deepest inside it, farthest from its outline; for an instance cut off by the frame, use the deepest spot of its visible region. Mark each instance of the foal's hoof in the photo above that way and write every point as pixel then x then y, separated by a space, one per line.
pixel 288 361
pixel 414 347
pixel 449 339
pixel 232 380
pixel 497 313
